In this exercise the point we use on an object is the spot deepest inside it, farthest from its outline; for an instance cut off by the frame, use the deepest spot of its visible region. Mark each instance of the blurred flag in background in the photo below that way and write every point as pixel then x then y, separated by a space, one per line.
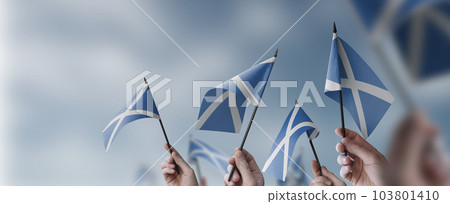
pixel 420 31
pixel 199 149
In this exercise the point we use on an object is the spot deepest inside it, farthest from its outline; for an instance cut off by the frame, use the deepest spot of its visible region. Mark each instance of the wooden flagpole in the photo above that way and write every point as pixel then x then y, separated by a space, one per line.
pixel 246 132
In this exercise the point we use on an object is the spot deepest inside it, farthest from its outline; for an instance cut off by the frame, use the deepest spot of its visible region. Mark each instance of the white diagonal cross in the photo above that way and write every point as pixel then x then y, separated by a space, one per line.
pixel 285 142
pixel 128 112
pixel 355 86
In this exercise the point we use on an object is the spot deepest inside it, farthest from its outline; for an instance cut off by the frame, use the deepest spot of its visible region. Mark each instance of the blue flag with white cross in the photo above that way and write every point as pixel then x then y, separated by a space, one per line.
pixel 140 106
pixel 223 107
pixel 419 29
pixel 363 93
pixel 297 123
pixel 199 149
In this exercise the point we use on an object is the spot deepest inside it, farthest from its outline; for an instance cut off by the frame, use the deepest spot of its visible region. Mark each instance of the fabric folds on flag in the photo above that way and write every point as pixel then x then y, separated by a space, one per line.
pixel 297 123
pixel 198 149
pixel 363 93
pixel 223 107
pixel 141 106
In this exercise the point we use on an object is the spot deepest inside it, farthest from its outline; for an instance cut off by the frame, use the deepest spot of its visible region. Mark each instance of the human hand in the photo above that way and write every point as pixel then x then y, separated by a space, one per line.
pixel 186 177
pixel 327 179
pixel 247 172
pixel 203 181
pixel 417 155
pixel 364 165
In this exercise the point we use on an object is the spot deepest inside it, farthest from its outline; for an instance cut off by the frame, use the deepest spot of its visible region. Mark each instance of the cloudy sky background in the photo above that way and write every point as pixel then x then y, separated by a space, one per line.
pixel 69 61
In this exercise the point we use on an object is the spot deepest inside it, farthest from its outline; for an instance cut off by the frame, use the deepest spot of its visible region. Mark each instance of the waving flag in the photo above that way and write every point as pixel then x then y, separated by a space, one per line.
pixel 198 149
pixel 223 107
pixel 295 125
pixel 295 175
pixel 378 15
pixel 141 105
pixel 419 29
pixel 363 94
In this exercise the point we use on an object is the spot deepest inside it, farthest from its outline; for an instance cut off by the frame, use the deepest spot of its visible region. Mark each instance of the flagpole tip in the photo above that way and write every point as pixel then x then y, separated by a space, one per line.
pixel 276 53
pixel 296 102
pixel 145 80
pixel 334 28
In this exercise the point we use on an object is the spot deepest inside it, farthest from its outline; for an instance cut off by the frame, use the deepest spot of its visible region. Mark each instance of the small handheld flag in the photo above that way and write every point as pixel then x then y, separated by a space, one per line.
pixel 199 149
pixel 353 84
pixel 252 74
pixel 223 107
pixel 297 123
pixel 141 106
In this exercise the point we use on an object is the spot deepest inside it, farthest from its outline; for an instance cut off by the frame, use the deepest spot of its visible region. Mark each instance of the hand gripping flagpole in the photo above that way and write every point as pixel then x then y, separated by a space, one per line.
pixel 315 155
pixel 165 136
pixel 246 132
pixel 341 102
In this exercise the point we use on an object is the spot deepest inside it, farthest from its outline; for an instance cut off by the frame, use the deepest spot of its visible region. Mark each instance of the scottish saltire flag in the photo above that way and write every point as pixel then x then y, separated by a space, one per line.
pixel 295 125
pixel 423 38
pixel 198 149
pixel 378 15
pixel 141 105
pixel 363 94
pixel 419 29
pixel 223 107
pixel 295 175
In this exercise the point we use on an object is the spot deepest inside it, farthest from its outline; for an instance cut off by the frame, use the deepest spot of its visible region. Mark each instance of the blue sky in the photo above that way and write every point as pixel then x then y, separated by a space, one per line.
pixel 71 60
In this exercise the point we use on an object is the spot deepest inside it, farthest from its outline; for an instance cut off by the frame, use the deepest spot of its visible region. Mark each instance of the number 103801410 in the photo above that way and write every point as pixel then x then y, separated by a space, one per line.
pixel 405 195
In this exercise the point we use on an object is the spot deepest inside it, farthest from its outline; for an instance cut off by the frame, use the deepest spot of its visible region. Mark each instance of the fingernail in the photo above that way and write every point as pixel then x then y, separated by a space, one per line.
pixel 239 155
pixel 328 183
pixel 234 177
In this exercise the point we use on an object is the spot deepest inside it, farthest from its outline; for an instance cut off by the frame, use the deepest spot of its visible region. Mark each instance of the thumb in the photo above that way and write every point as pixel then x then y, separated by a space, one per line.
pixel 315 168
pixel 180 161
pixel 204 181
pixel 244 169
pixel 366 152
pixel 336 181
